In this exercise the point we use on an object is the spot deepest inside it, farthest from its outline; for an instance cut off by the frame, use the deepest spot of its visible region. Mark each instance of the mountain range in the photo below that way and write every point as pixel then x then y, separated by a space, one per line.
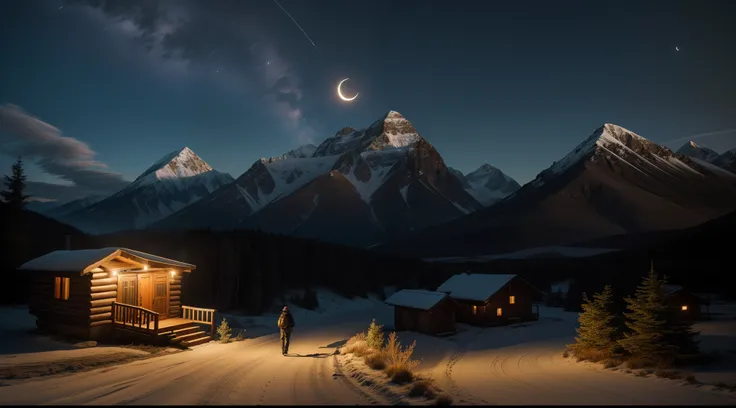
pixel 387 184
pixel 614 182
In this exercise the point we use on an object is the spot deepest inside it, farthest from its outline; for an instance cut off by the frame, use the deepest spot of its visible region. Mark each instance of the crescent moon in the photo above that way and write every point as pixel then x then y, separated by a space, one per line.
pixel 339 92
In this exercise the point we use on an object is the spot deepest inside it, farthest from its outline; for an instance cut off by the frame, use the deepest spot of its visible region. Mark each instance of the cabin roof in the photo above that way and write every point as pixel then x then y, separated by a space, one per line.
pixel 416 299
pixel 476 287
pixel 84 260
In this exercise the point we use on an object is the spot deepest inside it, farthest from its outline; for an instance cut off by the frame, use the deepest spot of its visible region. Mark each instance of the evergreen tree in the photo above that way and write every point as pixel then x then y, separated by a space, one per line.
pixel 16 186
pixel 374 338
pixel 656 332
pixel 597 334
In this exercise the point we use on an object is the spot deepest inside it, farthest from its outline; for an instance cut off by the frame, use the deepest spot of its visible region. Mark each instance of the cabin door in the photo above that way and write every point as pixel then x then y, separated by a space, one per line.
pixel 145 294
pixel 161 295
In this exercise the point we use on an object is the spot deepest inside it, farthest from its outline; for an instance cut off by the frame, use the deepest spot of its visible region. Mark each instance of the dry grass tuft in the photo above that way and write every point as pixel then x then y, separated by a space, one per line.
pixel 356 345
pixel 400 364
pixel 443 399
pixel 691 379
pixel 566 354
pixel 422 388
pixel 672 375
pixel 375 360
pixel 612 362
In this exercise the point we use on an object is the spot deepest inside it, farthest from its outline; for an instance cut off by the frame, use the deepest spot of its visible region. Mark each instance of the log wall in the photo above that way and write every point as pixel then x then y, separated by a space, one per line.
pixel 85 313
pixel 175 295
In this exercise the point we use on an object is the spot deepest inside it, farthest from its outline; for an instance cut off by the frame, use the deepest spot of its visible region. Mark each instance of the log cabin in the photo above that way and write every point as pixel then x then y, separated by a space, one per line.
pixel 422 311
pixel 683 302
pixel 108 293
pixel 491 300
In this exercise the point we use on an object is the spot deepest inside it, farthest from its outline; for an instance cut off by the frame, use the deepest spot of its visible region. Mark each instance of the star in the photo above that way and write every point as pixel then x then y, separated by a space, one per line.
pixel 268 62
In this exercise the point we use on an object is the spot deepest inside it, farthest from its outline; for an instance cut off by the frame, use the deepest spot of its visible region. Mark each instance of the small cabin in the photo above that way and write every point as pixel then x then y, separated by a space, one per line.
pixel 422 311
pixel 101 293
pixel 685 303
pixel 491 300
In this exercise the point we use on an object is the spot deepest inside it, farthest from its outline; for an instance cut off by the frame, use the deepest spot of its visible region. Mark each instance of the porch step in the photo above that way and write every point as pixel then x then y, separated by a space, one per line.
pixel 192 339
pixel 204 338
pixel 187 330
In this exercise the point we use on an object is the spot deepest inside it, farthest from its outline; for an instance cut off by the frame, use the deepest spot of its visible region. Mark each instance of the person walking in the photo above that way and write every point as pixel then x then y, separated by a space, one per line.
pixel 286 325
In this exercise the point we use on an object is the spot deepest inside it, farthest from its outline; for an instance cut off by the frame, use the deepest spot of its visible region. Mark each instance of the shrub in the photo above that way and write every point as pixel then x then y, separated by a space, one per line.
pixel 422 388
pixel 240 336
pixel 356 345
pixel 375 360
pixel 691 379
pixel 639 362
pixel 400 363
pixel 566 354
pixel 223 331
pixel 374 338
pixel 399 374
pixel 672 375
pixel 443 399
pixel 611 362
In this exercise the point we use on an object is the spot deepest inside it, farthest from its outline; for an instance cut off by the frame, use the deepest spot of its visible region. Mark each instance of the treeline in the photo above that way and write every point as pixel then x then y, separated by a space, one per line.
pixel 246 270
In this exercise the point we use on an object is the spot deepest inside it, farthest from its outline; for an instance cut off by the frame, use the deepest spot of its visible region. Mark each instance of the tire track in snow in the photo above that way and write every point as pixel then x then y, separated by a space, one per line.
pixel 462 394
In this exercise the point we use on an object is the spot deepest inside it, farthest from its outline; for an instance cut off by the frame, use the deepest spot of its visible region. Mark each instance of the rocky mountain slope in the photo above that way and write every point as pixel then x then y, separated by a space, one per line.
pixel 615 182
pixel 172 183
pixel 357 187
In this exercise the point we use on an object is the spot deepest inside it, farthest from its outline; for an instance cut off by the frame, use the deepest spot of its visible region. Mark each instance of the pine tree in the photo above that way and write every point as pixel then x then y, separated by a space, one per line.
pixel 374 338
pixel 597 334
pixel 224 331
pixel 655 332
pixel 16 186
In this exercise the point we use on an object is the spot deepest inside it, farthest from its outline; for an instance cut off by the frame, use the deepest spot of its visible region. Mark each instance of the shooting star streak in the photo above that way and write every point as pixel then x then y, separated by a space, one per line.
pixel 297 24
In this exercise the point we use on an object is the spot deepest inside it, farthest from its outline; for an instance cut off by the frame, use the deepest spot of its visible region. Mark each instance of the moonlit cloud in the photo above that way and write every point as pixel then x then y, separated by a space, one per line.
pixel 24 135
pixel 201 39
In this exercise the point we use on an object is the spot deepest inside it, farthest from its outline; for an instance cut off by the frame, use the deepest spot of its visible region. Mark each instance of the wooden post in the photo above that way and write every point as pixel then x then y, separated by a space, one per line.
pixel 212 333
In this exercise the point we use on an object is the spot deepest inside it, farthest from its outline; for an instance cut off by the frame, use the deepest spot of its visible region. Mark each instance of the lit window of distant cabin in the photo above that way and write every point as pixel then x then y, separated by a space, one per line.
pixel 499 312
pixel 684 308
pixel 512 300
pixel 475 309
pixel 61 288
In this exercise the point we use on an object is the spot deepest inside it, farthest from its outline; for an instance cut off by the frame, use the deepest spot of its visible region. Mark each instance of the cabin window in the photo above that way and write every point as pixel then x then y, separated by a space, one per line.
pixel 684 308
pixel 161 290
pixel 128 292
pixel 475 309
pixel 512 300
pixel 499 312
pixel 61 288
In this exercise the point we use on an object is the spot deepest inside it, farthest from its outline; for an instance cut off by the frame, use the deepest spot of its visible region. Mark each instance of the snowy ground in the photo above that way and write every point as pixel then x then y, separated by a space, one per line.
pixel 246 372
pixel 520 364
pixel 26 354
pixel 523 364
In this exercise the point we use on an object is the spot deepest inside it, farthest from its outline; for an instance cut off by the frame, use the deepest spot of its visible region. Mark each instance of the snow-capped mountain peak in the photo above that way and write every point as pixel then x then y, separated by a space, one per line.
pixel 177 164
pixel 617 143
pixel 691 149
pixel 488 184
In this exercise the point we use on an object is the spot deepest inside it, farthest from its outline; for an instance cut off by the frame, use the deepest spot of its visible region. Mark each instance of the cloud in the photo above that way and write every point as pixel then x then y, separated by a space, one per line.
pixel 701 135
pixel 221 40
pixel 23 135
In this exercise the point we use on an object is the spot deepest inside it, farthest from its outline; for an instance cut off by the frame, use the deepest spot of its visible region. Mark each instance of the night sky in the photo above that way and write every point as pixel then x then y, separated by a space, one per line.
pixel 513 84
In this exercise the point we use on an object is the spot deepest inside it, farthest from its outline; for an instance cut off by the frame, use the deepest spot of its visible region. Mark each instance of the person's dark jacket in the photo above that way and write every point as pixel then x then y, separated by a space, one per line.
pixel 286 321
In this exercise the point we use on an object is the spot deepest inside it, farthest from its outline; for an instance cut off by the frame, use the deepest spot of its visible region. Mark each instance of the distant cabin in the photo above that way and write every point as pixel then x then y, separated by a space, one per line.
pixel 491 300
pixel 100 293
pixel 685 303
pixel 422 311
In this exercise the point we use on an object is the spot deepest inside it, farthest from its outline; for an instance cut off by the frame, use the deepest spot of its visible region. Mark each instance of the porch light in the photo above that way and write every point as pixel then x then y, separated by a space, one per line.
pixel 684 308
pixel 145 267
pixel 173 273
pixel 114 273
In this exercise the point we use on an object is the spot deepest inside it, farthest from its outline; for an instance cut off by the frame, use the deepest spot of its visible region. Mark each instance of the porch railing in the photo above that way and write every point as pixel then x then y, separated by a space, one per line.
pixel 135 317
pixel 200 315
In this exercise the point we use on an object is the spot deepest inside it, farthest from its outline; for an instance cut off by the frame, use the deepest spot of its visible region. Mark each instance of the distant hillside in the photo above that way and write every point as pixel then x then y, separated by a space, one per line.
pixel 26 235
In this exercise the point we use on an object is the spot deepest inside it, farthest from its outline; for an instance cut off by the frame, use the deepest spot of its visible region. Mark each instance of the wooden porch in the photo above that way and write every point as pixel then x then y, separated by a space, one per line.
pixel 148 325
